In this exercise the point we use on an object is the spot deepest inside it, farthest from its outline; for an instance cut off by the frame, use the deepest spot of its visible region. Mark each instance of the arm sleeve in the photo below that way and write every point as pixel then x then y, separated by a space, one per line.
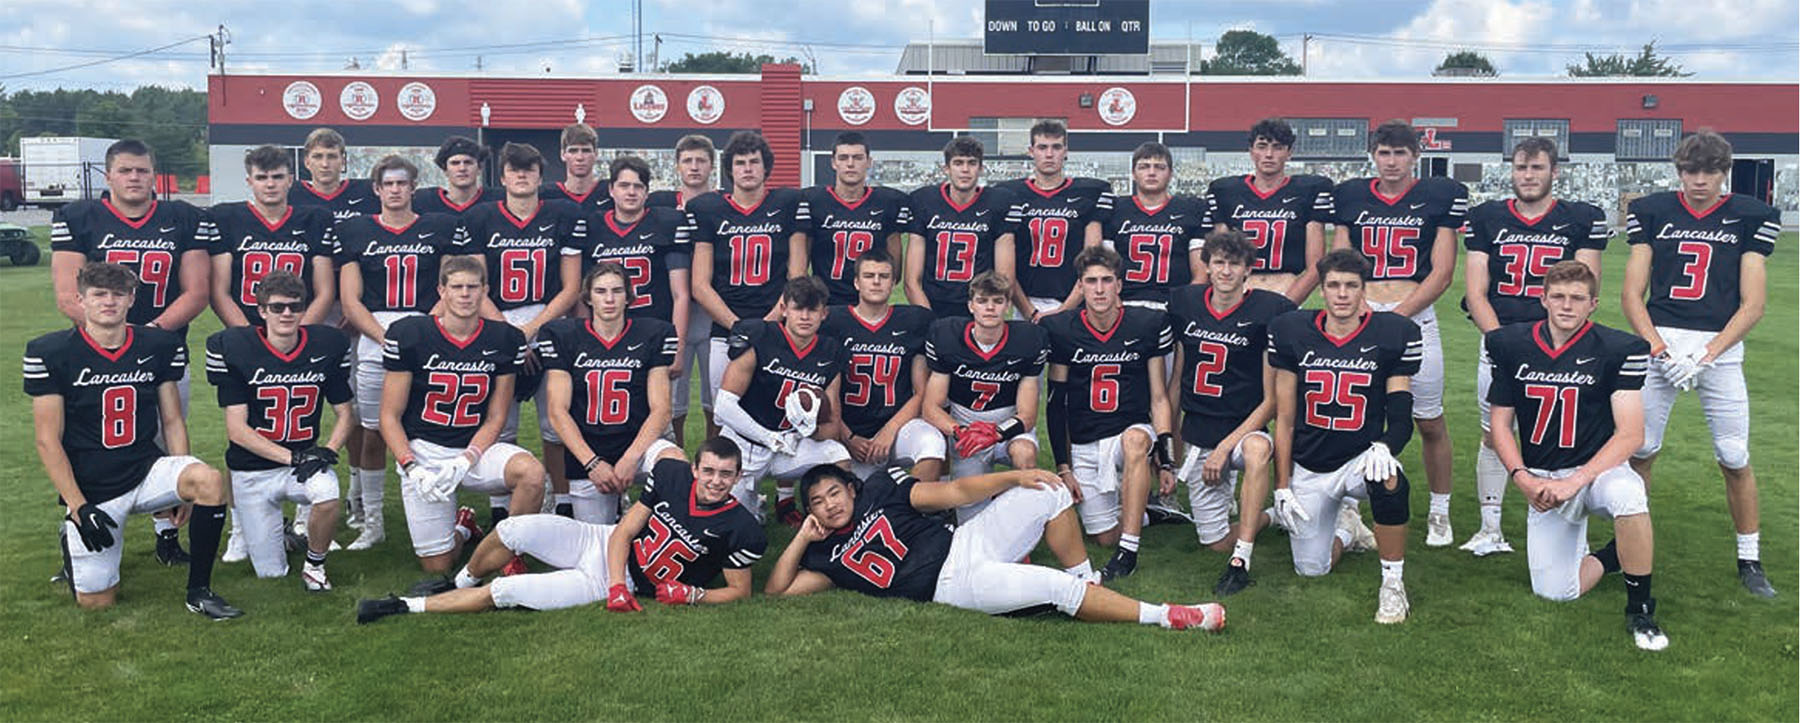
pixel 1634 362
pixel 337 385
pixel 1634 223
pixel 748 546
pixel 1598 232
pixel 36 369
pixel 549 341
pixel 1399 428
pixel 231 389
pixel 1056 420
pixel 1458 211
pixel 394 356
pixel 665 356
pixel 1763 242
pixel 1412 352
pixel 178 359
pixel 63 228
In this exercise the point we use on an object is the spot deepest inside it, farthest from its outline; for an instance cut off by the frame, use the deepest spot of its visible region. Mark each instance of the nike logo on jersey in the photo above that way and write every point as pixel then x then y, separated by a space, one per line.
pixel 145 360
pixel 315 360
pixel 1415 206
pixel 773 213
pixel 1291 199
pixel 1071 199
pixel 899 332
pixel 165 230
pixel 1368 349
pixel 646 236
pixel 1175 217
pixel 1242 324
pixel 488 352
pixel 354 201
pixel 1130 342
pixel 981 213
pixel 546 227
pixel 424 236
pixel 634 347
pixel 1559 227
pixel 1729 221
pixel 1584 360
pixel 708 533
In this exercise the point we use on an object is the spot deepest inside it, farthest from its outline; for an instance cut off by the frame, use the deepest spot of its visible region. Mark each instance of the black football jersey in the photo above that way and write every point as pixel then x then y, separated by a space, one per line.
pixel 656 244
pixel 596 200
pixel 750 247
pixel 686 541
pixel 285 395
pixel 258 248
pixel 959 240
pixel 781 366
pixel 984 380
pixel 452 379
pixel 1396 234
pixel 890 549
pixel 1109 371
pixel 1273 222
pixel 878 359
pixel 151 246
pixel 1052 230
pixel 399 266
pixel 609 378
pixel 524 255
pixel 1521 250
pixel 1222 359
pixel 839 231
pixel 354 197
pixel 1341 384
pixel 1154 243
pixel 111 415
pixel 1694 257
pixel 435 200
pixel 1563 395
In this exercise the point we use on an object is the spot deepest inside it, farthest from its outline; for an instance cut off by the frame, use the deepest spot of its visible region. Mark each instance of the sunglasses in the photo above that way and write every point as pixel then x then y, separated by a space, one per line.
pixel 283 307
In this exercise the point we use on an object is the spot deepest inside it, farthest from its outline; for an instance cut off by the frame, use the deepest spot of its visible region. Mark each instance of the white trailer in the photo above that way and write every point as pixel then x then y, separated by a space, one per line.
pixel 61 169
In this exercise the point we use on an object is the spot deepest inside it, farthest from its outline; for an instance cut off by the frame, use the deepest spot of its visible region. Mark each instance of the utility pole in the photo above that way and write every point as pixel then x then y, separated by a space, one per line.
pixel 637 35
pixel 1305 50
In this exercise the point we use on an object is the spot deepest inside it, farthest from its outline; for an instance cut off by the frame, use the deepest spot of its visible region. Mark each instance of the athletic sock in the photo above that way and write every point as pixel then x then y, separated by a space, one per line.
pixel 565 504
pixel 783 494
pixel 1392 570
pixel 1241 551
pixel 1085 569
pixel 1128 542
pixel 1750 546
pixel 1608 557
pixel 464 579
pixel 316 559
pixel 164 525
pixel 414 604
pixel 1490 518
pixel 206 524
pixel 1637 591
pixel 1490 486
pixel 1149 614
pixel 1345 537
pixel 1440 503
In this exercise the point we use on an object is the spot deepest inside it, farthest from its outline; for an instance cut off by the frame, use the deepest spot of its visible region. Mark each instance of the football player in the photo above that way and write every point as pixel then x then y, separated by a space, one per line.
pixel 1157 234
pixel 164 243
pixel 694 161
pixel 1698 256
pixel 849 217
pixel 580 185
pixel 461 160
pixel 266 234
pixel 1111 432
pixel 884 375
pixel 449 379
pixel 684 532
pixel 1058 216
pixel 958 231
pixel 747 244
pixel 983 390
pixel 1406 227
pixel 878 537
pixel 1512 243
pixel 271 380
pixel 650 242
pixel 1574 386
pixel 776 399
pixel 1283 215
pixel 1343 410
pixel 1221 330
pixel 608 379
pixel 100 395
pixel 323 156
pixel 386 264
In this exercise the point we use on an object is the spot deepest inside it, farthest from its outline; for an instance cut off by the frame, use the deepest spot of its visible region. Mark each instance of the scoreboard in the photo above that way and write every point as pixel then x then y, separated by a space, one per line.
pixel 1067 27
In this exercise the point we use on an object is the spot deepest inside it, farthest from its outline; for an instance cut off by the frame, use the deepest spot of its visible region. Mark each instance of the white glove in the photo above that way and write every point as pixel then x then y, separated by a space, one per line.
pixel 423 479
pixel 786 441
pixel 802 417
pixel 1377 464
pixel 1683 370
pixel 1288 511
pixel 450 475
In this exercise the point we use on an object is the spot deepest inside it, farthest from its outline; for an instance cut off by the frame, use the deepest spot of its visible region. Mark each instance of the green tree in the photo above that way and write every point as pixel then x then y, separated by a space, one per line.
pixel 172 121
pixel 1247 52
pixel 719 61
pixel 1466 63
pixel 1646 63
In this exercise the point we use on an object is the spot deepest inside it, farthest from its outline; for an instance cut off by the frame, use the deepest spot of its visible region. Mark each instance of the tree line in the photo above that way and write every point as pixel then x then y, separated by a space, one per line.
pixel 172 121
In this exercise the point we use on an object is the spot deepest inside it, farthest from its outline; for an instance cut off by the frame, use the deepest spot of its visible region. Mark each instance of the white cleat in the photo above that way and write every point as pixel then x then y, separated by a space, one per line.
pixel 1486 542
pixel 235 550
pixel 370 537
pixel 1393 607
pixel 1437 530
pixel 1362 539
pixel 313 578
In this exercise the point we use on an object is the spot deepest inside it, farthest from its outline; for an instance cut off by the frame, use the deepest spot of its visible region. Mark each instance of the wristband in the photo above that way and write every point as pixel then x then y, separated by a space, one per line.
pixel 473 453
pixel 591 464
pixel 1514 472
pixel 1011 428
pixel 404 461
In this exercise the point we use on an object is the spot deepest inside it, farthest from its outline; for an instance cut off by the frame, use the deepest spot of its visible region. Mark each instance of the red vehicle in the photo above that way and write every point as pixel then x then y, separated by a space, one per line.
pixel 12 190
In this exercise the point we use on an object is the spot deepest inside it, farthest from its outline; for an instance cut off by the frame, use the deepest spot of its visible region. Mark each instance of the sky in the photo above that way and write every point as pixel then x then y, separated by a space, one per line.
pixel 41 39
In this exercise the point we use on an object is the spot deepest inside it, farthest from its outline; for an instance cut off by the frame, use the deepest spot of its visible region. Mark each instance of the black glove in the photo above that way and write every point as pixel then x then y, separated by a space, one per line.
pixel 91 524
pixel 1164 451
pixel 311 461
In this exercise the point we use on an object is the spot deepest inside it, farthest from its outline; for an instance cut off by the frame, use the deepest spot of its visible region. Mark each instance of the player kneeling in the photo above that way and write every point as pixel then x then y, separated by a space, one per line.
pixel 684 532
pixel 270 379
pixel 443 428
pixel 1575 386
pixel 875 537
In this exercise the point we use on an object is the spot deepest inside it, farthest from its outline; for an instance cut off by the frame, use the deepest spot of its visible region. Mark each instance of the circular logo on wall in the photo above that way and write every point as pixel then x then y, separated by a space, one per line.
pixel 301 99
pixel 706 104
pixel 856 105
pixel 913 105
pixel 649 104
pixel 358 100
pixel 416 101
pixel 1117 106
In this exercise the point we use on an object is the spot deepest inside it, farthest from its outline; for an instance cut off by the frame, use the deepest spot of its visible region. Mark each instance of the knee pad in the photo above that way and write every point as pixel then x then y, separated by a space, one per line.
pixel 1389 506
pixel 1732 453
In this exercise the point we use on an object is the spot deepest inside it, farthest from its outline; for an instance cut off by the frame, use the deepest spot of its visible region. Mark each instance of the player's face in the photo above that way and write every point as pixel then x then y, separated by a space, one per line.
pixel 1394 165
pixel 462 293
pixel 874 282
pixel 695 167
pixel 270 186
pixel 1343 293
pixel 1569 305
pixel 989 312
pixel 747 172
pixel 629 192
pixel 1702 186
pixel 1099 288
pixel 282 315
pixel 1270 157
pixel 462 171
pixel 851 164
pixel 105 307
pixel 579 160
pixel 802 322
pixel 832 502
pixel 714 477
pixel 325 164
pixel 1151 175
pixel 1048 153
pixel 607 297
pixel 1226 274
pixel 130 177
pixel 964 173
pixel 396 191
pixel 521 182
pixel 1532 176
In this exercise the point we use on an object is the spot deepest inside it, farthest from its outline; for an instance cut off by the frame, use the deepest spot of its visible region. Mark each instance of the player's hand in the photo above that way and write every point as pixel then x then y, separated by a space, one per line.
pixel 859 448
pixel 178 516
pixel 976 438
pixel 451 474
pixel 810 530
pixel 423 479
pixel 309 462
pixel 1068 480
pixel 1212 472
pixel 1288 510
pixel 602 477
pixel 94 526
pixel 786 442
pixel 1683 370
pixel 1038 479
pixel 803 418
pixel 1377 464
pixel 624 471
pixel 672 592
pixel 619 600
pixel 1165 482
pixel 881 446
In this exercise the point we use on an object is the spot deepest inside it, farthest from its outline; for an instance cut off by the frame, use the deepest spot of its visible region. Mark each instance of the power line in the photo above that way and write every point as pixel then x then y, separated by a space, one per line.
pixel 103 61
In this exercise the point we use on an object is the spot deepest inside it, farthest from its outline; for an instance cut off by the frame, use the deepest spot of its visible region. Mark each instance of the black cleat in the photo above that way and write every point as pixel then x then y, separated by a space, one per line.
pixel 205 602
pixel 565 509
pixel 1122 564
pixel 1644 630
pixel 1233 580
pixel 1157 513
pixel 368 611
pixel 291 541
pixel 1750 573
pixel 431 586
pixel 168 549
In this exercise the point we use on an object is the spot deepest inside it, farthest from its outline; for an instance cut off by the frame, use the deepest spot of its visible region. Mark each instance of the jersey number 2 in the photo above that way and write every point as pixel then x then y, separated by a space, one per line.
pixel 453 399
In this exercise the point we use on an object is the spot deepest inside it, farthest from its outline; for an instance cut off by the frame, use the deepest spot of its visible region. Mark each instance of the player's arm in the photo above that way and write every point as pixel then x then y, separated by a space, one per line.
pixel 1092 236
pixel 174 425
pixel 1303 285
pixel 786 579
pixel 1628 435
pixel 1025 402
pixel 1443 269
pixel 798 252
pixel 196 291
pixel 558 395
pixel 224 302
pixel 1056 417
pixel 1284 386
pixel 1259 417
pixel 657 386
pixel 933 496
pixel 237 429
pixel 47 419
pixel 487 310
pixel 359 316
pixel 915 272
pixel 1591 259
pixel 64 265
pixel 1506 447
pixel 831 424
pixel 679 293
pixel 937 398
pixel 1162 416
pixel 395 388
pixel 737 587
pixel 896 245
pixel 1631 297
pixel 618 544
pixel 728 410
pixel 571 263
pixel 343 422
pixel 324 290
pixel 1752 296
pixel 1475 285
pixel 704 294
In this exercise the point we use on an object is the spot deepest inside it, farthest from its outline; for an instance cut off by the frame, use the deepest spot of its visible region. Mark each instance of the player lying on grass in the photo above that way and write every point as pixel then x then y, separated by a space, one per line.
pixel 684 532
pixel 877 537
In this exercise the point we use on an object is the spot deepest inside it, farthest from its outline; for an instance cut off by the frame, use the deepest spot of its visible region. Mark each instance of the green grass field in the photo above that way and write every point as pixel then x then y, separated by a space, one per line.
pixel 1479 644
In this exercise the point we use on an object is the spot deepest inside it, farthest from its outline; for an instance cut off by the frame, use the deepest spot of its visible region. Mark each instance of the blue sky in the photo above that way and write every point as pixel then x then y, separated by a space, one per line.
pixel 1722 39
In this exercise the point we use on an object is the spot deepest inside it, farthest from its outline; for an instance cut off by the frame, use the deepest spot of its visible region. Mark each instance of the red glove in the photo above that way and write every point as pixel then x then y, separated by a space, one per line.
pixel 975 438
pixel 677 593
pixel 619 600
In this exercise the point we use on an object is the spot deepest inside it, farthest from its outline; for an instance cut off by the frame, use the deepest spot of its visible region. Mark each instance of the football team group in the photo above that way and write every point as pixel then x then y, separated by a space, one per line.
pixel 1157 337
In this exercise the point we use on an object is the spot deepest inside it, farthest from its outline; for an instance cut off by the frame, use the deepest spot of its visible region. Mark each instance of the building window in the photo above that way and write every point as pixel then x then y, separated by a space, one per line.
pixel 1647 139
pixel 1322 138
pixel 1518 129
